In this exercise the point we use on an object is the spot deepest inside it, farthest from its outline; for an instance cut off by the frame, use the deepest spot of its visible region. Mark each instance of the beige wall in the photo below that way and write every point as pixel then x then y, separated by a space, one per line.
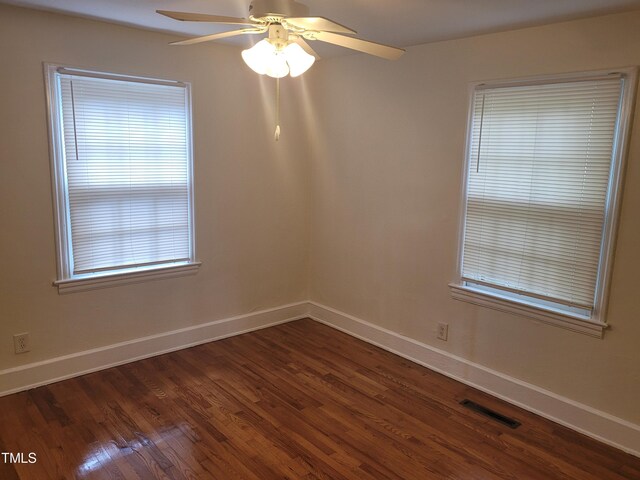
pixel 365 184
pixel 387 170
pixel 251 209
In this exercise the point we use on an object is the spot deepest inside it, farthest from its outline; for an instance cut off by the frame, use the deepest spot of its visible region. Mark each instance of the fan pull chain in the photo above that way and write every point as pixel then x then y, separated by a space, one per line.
pixel 277 133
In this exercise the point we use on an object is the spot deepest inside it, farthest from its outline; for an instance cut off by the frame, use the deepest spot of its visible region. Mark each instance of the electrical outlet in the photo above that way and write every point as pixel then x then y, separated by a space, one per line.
pixel 21 343
pixel 443 331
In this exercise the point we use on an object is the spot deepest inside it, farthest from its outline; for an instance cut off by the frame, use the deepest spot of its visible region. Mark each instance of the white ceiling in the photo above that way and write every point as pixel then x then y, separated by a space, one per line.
pixel 396 22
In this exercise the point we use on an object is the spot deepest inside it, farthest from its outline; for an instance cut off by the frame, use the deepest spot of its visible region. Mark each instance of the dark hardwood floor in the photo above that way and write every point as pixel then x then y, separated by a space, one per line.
pixel 296 401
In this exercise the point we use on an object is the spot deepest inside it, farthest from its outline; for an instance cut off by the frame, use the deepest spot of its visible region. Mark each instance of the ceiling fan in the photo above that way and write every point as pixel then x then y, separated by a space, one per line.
pixel 289 27
pixel 285 51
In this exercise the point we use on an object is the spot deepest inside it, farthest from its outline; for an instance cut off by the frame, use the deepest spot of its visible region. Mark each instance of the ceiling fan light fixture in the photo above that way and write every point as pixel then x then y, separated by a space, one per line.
pixel 265 58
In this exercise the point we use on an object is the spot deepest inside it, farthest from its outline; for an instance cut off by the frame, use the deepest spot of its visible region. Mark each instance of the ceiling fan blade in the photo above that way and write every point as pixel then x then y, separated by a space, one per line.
pixel 216 36
pixel 319 24
pixel 306 47
pixel 372 48
pixel 203 17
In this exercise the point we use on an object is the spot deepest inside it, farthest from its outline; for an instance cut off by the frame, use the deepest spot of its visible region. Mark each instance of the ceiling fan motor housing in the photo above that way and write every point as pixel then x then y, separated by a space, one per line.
pixel 278 36
pixel 273 11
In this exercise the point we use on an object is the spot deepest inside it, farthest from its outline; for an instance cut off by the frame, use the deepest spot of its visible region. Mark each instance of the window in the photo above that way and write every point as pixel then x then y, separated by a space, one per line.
pixel 544 165
pixel 121 153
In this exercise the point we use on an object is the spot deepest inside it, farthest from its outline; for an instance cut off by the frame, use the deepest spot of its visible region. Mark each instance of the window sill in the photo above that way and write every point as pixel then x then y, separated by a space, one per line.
pixel 111 280
pixel 573 323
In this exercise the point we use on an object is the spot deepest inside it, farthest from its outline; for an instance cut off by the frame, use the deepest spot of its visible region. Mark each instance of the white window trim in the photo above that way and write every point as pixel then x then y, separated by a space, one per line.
pixel 596 325
pixel 66 282
pixel 125 277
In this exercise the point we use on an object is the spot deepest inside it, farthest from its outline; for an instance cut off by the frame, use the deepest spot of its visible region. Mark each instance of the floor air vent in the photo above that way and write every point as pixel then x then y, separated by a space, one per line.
pixel 476 407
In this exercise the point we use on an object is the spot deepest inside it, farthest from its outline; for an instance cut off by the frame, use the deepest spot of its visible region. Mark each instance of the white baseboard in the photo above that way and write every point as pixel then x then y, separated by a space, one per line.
pixel 60 368
pixel 594 423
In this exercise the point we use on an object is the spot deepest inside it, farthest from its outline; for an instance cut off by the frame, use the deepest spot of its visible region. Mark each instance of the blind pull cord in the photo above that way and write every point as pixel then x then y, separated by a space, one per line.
pixel 480 135
pixel 73 114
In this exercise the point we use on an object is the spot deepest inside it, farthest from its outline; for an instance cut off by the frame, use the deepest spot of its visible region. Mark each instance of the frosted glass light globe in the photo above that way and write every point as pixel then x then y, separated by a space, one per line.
pixel 299 61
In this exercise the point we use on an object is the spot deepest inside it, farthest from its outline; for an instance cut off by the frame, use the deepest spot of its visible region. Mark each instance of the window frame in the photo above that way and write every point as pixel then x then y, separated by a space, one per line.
pixel 596 324
pixel 66 281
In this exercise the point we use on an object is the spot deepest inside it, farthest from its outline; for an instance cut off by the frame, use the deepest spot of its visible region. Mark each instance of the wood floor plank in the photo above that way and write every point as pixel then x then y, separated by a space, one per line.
pixel 294 401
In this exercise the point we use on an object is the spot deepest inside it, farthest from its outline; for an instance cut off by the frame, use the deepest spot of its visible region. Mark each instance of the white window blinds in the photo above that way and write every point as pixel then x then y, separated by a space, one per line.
pixel 127 165
pixel 540 159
